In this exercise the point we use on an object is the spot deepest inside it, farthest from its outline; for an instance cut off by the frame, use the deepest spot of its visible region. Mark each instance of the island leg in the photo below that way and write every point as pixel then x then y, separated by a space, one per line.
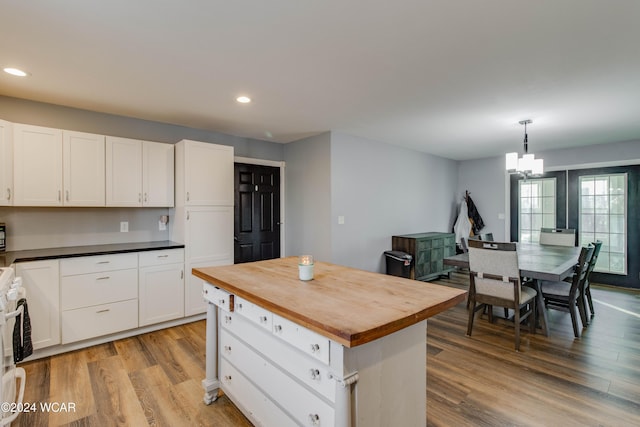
pixel 211 383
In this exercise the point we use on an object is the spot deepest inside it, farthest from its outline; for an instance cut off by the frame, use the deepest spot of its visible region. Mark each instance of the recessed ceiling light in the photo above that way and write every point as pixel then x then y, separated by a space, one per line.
pixel 15 72
pixel 243 99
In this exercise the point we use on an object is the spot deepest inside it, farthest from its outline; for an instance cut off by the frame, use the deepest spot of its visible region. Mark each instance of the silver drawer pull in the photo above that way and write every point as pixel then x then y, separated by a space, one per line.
pixel 227 348
pixel 103 278
pixel 103 311
pixel 314 419
pixel 263 319
pixel 163 256
pixel 103 262
pixel 315 348
pixel 239 306
pixel 315 374
pixel 227 319
pixel 221 301
pixel 277 328
pixel 227 377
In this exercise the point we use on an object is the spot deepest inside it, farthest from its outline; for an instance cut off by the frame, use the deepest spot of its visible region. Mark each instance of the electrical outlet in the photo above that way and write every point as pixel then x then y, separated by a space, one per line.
pixel 124 226
pixel 162 226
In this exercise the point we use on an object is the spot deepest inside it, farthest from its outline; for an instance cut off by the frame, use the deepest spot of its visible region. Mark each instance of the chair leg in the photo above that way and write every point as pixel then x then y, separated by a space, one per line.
pixel 516 321
pixel 583 310
pixel 574 319
pixel 472 313
pixel 532 316
pixel 589 300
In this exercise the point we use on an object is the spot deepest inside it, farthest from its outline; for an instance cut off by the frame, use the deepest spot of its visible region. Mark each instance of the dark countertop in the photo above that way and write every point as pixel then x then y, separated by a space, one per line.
pixel 8 258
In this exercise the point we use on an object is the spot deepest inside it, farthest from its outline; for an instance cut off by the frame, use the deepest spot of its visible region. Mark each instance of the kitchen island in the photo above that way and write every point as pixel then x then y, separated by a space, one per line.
pixel 347 348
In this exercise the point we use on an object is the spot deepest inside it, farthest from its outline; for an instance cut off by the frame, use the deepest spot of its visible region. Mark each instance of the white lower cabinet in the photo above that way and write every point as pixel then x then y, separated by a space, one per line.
pixel 161 286
pixel 98 295
pixel 42 281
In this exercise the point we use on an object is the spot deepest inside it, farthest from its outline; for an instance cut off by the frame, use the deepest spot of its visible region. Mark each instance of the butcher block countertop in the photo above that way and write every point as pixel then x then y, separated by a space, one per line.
pixel 349 306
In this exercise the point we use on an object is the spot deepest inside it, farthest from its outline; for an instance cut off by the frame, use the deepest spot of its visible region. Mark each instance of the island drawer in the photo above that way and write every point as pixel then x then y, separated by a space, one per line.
pixel 217 296
pixel 98 263
pixel 302 404
pixel 309 342
pixel 304 368
pixel 253 312
pixel 256 406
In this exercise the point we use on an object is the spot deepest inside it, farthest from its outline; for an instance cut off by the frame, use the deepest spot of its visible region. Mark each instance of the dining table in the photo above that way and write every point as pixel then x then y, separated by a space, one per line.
pixel 537 262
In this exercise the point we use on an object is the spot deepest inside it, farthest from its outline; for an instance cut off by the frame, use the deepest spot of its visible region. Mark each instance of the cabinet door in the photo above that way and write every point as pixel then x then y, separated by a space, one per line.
pixel 41 280
pixel 83 168
pixel 208 242
pixel 157 174
pixel 161 293
pixel 123 171
pixel 6 163
pixel 208 174
pixel 37 173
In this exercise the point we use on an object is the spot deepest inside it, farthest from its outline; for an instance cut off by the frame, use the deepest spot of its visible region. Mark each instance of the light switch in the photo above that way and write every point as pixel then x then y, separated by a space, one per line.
pixel 340 220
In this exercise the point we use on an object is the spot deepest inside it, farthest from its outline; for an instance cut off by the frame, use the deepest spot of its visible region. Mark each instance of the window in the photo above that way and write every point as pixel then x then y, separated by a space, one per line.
pixel 536 207
pixel 603 216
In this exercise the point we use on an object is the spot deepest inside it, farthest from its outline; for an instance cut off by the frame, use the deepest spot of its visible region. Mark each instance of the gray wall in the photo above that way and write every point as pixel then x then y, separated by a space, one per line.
pixel 383 190
pixel 30 228
pixel 308 197
pixel 487 180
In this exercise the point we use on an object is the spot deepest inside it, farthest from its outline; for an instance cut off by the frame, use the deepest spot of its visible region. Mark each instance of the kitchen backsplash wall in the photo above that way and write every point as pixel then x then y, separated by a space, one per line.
pixel 38 228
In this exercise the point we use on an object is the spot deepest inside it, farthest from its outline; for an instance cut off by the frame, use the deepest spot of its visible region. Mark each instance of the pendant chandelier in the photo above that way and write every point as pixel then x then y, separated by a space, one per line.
pixel 527 165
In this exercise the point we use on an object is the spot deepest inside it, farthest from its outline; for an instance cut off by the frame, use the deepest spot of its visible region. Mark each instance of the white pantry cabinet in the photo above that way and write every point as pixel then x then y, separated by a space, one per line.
pixel 37 167
pixel 204 174
pixel 139 173
pixel 160 286
pixel 6 163
pixel 42 282
pixel 203 218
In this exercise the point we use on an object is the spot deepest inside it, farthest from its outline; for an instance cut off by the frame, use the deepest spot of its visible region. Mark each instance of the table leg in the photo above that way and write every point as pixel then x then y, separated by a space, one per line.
pixel 211 384
pixel 542 311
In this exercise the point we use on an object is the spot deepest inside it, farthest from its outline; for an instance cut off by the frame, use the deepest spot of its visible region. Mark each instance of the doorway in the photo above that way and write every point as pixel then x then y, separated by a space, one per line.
pixel 257 212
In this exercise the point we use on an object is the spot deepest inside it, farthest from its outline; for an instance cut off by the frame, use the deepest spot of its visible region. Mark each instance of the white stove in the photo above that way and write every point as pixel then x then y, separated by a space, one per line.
pixel 13 378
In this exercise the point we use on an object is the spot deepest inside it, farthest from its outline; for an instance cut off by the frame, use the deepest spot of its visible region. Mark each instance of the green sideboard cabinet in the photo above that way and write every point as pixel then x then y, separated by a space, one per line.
pixel 428 251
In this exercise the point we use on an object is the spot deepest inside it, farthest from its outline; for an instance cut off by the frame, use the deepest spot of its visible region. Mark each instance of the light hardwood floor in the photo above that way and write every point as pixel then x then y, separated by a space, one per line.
pixel 154 379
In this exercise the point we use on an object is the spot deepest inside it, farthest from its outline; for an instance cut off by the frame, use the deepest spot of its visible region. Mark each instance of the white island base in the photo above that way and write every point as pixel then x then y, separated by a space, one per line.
pixel 279 373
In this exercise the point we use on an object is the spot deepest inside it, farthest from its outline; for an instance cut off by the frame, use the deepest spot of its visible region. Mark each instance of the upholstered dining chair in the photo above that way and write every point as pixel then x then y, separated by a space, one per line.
pixel 494 276
pixel 566 296
pixel 558 236
pixel 586 289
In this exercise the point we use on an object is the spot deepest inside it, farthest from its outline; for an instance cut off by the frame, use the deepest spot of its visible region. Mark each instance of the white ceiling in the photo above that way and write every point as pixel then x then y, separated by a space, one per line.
pixel 448 77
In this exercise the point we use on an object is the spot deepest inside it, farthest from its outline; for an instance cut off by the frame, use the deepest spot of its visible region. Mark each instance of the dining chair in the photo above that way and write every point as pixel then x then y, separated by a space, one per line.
pixel 558 236
pixel 566 296
pixel 586 289
pixel 494 280
pixel 463 245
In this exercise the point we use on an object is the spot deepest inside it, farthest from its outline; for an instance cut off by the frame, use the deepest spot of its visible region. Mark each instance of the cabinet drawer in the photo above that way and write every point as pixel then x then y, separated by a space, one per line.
pixel 98 263
pixel 305 369
pixel 168 256
pixel 437 243
pixel 423 244
pixel 300 402
pixel 98 288
pixel 253 312
pixel 217 296
pixel 259 408
pixel 84 323
pixel 302 338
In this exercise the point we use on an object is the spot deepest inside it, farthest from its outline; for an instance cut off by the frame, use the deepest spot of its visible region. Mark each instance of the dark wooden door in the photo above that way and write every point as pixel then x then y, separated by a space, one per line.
pixel 257 212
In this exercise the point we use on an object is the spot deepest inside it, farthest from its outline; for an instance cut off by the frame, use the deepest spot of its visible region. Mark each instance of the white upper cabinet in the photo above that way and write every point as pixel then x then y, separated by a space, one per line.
pixel 84 173
pixel 6 163
pixel 124 171
pixel 37 173
pixel 157 174
pixel 139 173
pixel 204 174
